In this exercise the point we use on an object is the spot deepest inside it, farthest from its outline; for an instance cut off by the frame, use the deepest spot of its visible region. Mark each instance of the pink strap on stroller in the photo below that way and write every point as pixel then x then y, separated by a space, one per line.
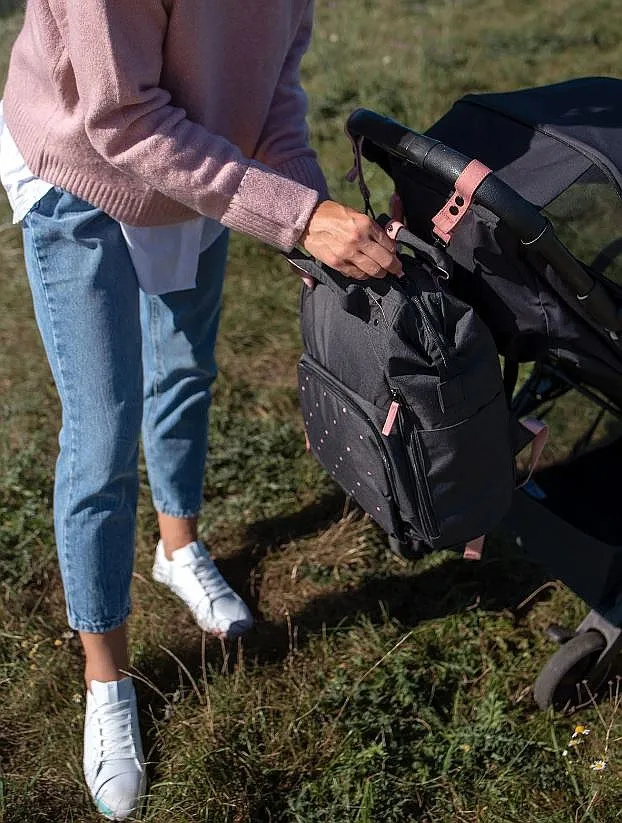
pixel 474 548
pixel 456 207
pixel 540 433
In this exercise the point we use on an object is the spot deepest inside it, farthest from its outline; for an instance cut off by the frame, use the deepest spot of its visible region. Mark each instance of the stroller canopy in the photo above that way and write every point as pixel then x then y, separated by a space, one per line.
pixel 560 147
pixel 541 140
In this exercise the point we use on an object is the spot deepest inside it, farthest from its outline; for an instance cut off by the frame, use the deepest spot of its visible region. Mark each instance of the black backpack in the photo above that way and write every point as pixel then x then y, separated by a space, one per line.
pixel 403 401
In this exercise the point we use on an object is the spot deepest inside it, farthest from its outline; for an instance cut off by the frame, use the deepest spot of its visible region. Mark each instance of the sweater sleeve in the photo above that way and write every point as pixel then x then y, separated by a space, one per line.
pixel 131 122
pixel 283 144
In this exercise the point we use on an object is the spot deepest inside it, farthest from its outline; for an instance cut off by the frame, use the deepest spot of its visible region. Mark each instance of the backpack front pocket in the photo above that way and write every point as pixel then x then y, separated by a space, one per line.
pixel 348 443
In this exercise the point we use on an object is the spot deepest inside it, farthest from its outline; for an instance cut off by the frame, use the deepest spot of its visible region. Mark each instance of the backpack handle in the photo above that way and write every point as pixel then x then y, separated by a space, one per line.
pixel 351 293
pixel 307 266
pixel 397 231
pixel 340 284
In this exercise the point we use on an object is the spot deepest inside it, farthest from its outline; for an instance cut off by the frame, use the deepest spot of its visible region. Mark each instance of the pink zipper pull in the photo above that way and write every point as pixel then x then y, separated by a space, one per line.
pixel 390 421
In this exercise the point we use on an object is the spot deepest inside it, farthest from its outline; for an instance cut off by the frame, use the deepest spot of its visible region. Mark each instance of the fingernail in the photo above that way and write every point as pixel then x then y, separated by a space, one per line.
pixel 402 273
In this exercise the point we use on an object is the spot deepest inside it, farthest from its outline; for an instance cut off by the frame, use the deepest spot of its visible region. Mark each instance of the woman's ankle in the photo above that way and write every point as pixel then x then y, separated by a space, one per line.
pixel 106 654
pixel 176 532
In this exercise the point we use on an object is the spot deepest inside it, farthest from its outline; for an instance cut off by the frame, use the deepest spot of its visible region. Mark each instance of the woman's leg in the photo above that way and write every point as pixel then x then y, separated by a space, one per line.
pixel 179 337
pixel 86 302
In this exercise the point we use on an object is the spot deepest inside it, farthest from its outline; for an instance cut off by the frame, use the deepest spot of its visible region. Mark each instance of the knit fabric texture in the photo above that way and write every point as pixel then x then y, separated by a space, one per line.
pixel 159 110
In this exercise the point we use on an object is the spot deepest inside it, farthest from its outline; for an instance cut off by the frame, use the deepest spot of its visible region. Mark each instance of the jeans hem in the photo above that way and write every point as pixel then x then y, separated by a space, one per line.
pixel 185 514
pixel 97 628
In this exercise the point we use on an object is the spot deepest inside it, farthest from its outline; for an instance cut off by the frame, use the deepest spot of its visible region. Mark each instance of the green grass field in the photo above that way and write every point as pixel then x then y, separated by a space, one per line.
pixel 371 689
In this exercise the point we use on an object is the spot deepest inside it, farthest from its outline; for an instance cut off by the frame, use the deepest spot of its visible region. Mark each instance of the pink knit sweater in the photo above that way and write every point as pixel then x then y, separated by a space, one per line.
pixel 156 110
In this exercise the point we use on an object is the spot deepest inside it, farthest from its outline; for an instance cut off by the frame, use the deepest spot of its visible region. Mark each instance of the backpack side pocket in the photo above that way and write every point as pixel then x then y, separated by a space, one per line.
pixel 471 473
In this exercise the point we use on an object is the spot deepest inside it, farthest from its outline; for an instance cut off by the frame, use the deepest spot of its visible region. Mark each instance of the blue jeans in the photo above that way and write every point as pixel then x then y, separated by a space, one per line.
pixel 122 360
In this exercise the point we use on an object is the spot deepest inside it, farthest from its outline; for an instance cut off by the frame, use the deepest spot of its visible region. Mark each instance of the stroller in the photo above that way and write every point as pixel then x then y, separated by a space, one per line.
pixel 537 251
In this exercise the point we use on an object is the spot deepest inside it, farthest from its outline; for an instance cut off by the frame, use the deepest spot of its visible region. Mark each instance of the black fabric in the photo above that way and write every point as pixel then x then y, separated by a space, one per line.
pixel 444 474
pixel 535 165
pixel 585 113
pixel 540 140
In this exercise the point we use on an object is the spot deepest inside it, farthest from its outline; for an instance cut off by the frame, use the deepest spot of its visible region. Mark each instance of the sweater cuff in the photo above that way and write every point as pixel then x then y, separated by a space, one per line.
pixel 307 171
pixel 270 207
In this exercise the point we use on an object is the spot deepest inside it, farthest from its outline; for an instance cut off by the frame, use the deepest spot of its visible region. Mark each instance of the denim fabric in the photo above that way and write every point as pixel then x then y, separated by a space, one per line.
pixel 113 351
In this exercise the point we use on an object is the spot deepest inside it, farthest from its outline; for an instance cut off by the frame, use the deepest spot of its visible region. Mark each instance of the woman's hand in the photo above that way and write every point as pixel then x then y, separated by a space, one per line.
pixel 350 242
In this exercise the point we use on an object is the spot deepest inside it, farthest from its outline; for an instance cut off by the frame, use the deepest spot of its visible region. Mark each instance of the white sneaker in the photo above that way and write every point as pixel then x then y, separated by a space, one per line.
pixel 114 766
pixel 192 575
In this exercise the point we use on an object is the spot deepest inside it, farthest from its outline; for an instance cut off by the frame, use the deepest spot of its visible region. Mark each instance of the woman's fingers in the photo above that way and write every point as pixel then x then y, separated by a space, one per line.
pixel 350 242
pixel 382 258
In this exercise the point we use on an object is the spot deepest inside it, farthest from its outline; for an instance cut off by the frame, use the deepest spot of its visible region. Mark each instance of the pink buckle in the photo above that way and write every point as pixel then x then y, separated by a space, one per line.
pixel 448 218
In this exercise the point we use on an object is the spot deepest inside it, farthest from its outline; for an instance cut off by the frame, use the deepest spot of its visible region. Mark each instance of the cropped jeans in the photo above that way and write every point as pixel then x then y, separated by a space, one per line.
pixel 123 361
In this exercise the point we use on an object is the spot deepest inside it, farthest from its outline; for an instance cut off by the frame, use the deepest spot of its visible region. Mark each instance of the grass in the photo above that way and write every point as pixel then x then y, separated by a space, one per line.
pixel 372 689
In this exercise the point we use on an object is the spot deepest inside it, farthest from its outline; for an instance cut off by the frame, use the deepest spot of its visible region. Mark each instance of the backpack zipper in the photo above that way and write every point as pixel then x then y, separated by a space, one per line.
pixel 420 482
pixel 428 323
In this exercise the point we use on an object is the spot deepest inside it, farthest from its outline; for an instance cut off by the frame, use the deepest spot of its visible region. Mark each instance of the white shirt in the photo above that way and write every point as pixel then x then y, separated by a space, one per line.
pixel 165 258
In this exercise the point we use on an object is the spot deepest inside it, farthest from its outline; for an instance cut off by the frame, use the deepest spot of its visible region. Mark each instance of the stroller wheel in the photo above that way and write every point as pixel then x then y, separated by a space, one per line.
pixel 571 676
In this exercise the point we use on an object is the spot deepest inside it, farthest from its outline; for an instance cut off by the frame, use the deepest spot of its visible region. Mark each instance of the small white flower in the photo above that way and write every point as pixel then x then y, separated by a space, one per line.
pixel 599 766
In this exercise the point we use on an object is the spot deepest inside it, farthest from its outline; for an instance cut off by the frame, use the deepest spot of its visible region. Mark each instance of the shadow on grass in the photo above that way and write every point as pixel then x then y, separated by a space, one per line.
pixel 501 581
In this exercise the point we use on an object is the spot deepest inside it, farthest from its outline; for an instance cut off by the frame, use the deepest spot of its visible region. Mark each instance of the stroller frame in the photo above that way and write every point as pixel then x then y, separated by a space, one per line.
pixel 586 655
pixel 580 666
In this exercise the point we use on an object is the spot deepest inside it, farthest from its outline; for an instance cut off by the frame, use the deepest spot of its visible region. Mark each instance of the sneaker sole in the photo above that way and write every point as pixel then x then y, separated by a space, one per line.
pixel 107 812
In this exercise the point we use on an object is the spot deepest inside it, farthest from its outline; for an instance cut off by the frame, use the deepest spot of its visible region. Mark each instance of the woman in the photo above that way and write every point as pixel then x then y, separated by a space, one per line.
pixel 135 135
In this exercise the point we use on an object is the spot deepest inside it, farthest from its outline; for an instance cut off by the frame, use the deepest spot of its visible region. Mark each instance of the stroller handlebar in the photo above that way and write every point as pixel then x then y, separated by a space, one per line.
pixel 523 218
pixel 447 164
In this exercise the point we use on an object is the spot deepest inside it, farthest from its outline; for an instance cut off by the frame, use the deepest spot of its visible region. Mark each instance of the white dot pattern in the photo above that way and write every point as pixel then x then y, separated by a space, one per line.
pixel 341 439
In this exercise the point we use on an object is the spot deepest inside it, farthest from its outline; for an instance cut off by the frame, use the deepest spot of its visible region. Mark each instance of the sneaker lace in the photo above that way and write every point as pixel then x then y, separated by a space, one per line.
pixel 115 722
pixel 212 582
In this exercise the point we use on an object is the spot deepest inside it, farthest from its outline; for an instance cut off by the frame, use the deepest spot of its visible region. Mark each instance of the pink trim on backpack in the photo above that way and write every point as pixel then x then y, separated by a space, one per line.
pixel 390 421
pixel 392 228
pixel 446 221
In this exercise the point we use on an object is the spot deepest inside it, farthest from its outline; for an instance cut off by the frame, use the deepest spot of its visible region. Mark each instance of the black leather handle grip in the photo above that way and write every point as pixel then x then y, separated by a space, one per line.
pixel 519 215
pixel 447 164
